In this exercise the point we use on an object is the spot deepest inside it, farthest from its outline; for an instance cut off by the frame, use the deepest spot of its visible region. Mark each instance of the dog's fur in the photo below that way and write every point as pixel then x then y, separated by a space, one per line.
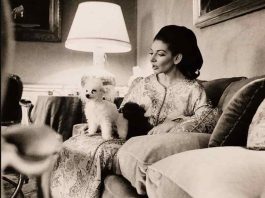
pixel 100 113
pixel 137 122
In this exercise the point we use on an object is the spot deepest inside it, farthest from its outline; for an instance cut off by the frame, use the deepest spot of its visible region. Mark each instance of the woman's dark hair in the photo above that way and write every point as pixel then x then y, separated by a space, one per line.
pixel 182 40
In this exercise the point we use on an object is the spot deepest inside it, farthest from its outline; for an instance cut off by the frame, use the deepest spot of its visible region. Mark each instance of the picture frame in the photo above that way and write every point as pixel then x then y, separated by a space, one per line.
pixel 210 12
pixel 37 20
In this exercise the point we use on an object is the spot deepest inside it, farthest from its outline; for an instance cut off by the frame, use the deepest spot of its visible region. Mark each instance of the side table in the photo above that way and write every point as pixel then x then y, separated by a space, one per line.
pixel 59 112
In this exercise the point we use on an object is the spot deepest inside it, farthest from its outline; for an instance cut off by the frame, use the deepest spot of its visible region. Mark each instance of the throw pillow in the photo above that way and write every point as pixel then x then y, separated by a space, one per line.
pixel 256 132
pixel 212 172
pixel 232 127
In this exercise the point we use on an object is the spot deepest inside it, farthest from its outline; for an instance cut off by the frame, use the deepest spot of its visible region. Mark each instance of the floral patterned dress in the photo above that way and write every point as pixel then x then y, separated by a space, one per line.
pixel 84 160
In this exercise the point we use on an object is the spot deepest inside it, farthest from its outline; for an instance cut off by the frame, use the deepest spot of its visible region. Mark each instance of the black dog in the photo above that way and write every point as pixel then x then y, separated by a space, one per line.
pixel 137 123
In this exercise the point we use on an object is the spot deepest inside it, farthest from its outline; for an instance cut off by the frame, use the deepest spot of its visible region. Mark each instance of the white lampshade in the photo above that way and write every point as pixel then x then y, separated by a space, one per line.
pixel 98 26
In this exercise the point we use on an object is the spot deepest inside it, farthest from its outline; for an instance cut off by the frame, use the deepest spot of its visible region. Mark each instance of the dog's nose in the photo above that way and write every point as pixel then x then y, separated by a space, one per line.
pixel 87 96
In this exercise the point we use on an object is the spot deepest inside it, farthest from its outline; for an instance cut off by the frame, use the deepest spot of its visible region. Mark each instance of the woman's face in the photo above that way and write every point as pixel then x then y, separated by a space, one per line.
pixel 161 57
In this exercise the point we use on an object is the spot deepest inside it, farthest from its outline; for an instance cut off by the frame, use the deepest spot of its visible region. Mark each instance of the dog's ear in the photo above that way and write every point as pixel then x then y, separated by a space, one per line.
pixel 84 80
pixel 102 90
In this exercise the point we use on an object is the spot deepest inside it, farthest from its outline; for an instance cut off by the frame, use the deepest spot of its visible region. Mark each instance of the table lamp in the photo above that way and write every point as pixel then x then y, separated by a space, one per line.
pixel 99 27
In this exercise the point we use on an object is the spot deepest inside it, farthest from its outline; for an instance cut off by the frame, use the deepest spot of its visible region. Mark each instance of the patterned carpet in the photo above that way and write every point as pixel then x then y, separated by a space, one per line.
pixel 29 189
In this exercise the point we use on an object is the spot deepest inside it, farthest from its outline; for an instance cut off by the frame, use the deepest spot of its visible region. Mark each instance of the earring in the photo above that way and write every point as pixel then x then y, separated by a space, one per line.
pixel 197 72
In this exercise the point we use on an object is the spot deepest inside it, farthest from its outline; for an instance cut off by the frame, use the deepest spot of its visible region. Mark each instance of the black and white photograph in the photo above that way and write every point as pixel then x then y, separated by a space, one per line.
pixel 132 98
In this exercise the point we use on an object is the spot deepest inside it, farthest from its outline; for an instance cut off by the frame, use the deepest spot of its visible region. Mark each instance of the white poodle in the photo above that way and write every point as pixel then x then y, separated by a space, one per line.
pixel 100 113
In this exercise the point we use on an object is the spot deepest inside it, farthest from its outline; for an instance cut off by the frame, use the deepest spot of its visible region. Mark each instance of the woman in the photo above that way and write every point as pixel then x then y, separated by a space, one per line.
pixel 172 99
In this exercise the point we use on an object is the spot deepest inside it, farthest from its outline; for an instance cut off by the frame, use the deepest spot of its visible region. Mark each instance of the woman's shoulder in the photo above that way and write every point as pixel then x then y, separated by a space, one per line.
pixel 197 89
pixel 198 84
pixel 194 85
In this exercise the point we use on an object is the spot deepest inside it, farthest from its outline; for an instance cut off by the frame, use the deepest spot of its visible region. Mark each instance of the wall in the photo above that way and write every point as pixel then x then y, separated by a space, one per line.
pixel 232 48
pixel 52 63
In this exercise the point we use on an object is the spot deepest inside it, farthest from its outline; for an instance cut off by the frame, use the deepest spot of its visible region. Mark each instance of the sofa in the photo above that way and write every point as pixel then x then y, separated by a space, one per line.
pixel 225 163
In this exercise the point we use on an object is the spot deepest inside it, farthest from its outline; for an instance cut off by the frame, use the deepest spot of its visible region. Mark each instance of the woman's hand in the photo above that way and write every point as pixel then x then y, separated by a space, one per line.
pixel 165 127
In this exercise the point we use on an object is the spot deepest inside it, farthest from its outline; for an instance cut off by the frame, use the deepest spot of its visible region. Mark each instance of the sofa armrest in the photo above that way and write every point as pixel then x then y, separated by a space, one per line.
pixel 139 152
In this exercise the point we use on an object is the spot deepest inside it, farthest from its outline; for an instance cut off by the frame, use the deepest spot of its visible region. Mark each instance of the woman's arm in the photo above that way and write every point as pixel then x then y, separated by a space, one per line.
pixel 202 117
pixel 203 121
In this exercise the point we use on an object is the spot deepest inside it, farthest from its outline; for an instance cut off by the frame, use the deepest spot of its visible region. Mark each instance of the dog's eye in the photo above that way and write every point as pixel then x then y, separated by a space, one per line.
pixel 93 91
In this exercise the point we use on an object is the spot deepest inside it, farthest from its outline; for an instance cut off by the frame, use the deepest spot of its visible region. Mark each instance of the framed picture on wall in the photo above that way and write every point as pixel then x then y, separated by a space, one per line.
pixel 37 20
pixel 209 12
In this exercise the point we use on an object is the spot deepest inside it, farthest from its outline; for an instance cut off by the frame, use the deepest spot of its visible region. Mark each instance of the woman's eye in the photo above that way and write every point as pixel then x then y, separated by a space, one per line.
pixel 159 54
pixel 151 53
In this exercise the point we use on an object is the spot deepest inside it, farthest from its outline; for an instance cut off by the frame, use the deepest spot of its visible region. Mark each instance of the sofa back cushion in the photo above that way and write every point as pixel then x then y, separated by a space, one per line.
pixel 215 88
pixel 232 127
pixel 232 88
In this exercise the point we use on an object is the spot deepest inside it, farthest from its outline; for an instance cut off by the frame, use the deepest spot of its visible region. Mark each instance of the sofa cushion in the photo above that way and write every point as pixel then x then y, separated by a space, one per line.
pixel 256 132
pixel 139 152
pixel 117 187
pixel 232 89
pixel 213 172
pixel 215 88
pixel 232 127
